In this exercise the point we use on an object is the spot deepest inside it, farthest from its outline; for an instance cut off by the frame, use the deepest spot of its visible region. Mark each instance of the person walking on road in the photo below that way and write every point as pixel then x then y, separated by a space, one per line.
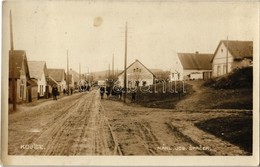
pixel 55 92
pixel 102 91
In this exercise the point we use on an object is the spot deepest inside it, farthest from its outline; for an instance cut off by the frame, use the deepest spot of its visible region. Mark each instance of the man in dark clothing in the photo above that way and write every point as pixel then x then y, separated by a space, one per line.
pixel 108 91
pixel 54 92
pixel 133 96
pixel 102 91
pixel 71 91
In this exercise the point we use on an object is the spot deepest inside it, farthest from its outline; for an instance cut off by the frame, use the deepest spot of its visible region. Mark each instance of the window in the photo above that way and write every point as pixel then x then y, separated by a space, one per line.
pixel 221 50
pixel 21 91
pixel 41 89
pixel 218 71
pixel 134 70
pixel 224 69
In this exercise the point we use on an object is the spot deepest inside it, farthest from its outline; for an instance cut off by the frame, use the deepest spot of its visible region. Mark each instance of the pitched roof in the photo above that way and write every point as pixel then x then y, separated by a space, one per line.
pixel 133 64
pixel 70 78
pixel 36 69
pixel 18 58
pixel 51 81
pixel 32 82
pixel 57 74
pixel 238 49
pixel 195 61
pixel 75 75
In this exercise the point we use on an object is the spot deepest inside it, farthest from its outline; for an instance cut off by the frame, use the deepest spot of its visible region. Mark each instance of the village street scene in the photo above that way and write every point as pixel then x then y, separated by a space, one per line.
pixel 127 83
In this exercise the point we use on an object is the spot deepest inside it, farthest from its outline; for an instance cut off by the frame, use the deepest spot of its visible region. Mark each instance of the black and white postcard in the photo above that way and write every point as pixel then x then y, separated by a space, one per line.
pixel 127 83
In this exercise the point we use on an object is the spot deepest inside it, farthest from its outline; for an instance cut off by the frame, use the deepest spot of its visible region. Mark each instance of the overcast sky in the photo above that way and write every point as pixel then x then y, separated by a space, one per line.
pixel 92 31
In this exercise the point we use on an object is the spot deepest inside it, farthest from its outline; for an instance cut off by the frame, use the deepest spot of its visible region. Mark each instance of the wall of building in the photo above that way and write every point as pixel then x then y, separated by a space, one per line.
pixel 136 72
pixel 42 83
pixel 220 61
pixel 178 68
pixel 34 93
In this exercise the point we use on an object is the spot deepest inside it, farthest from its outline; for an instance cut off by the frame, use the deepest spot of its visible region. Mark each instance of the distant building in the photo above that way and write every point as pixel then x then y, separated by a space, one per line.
pixel 234 54
pixel 59 76
pixel 38 71
pixel 192 66
pixel 18 68
pixel 75 77
pixel 137 75
pixel 71 81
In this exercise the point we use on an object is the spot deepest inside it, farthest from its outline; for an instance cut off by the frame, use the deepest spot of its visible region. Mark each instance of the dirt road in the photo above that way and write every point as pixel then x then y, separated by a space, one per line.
pixel 70 126
pixel 82 124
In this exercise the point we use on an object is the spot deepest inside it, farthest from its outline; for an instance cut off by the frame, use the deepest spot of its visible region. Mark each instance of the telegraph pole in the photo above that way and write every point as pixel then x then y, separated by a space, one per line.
pixel 11 56
pixel 79 71
pixel 88 76
pixel 125 62
pixel 113 71
pixel 68 82
pixel 79 76
pixel 227 57
pixel 108 70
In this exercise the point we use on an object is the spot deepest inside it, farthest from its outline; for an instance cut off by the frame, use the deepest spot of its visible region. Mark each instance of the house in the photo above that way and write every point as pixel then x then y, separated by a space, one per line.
pixel 231 55
pixel 190 66
pixel 75 78
pixel 51 82
pixel 71 81
pixel 137 75
pixel 18 69
pixel 38 71
pixel 32 90
pixel 59 76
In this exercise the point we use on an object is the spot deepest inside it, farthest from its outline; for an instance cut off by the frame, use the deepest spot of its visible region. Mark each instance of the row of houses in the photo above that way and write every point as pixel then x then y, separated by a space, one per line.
pixel 33 80
pixel 229 55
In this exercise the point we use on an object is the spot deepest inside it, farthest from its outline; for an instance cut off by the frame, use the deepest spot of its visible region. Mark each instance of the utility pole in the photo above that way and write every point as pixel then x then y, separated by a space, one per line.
pixel 88 76
pixel 113 71
pixel 11 56
pixel 108 71
pixel 79 75
pixel 227 57
pixel 125 62
pixel 68 82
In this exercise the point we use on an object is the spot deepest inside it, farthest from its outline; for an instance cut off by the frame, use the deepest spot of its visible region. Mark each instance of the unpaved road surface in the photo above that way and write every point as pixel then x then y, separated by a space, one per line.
pixel 83 124
pixel 69 126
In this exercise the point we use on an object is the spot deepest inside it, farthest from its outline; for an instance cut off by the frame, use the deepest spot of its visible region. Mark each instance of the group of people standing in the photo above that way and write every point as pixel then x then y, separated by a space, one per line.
pixel 104 90
pixel 117 91
pixel 84 88
pixel 55 92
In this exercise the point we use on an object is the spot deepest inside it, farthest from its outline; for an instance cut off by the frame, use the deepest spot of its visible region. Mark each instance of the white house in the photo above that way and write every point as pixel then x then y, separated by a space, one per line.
pixel 38 70
pixel 26 88
pixel 18 69
pixel 231 55
pixel 137 75
pixel 192 66
pixel 59 76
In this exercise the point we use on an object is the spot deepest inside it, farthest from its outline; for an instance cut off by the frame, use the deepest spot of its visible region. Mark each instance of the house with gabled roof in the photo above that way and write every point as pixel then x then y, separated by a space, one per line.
pixel 38 71
pixel 137 75
pixel 230 55
pixel 190 66
pixel 59 76
pixel 74 79
pixel 18 69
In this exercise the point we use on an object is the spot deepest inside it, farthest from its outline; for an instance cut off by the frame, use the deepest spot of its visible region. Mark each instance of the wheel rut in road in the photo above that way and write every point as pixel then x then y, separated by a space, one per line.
pixel 77 128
